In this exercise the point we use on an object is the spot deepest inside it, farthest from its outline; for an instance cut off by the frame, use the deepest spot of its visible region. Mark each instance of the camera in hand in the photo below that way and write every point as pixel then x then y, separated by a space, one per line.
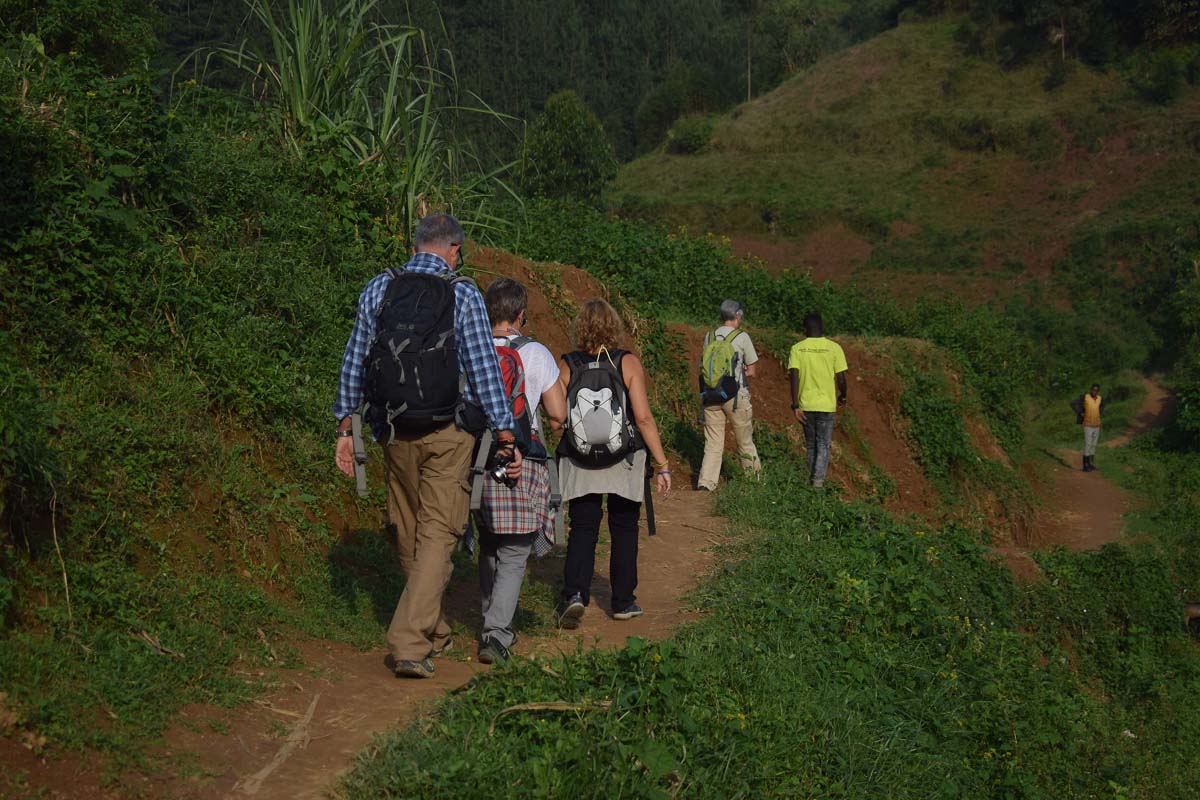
pixel 498 469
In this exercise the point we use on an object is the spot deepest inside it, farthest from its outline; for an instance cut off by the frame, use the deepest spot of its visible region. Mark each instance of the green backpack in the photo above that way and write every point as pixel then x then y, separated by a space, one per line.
pixel 718 362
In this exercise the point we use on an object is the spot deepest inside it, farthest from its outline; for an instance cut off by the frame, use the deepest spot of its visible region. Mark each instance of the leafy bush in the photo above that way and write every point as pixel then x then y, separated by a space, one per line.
pixel 690 134
pixel 1161 76
pixel 935 425
pixel 115 34
pixel 569 154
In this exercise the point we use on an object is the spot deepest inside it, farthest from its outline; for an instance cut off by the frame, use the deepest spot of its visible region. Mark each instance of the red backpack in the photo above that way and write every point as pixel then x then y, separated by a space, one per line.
pixel 513 370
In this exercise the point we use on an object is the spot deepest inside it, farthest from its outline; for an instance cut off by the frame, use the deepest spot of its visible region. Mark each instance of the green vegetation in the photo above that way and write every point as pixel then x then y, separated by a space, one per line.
pixel 179 264
pixel 569 156
pixel 843 654
pixel 927 157
pixel 175 291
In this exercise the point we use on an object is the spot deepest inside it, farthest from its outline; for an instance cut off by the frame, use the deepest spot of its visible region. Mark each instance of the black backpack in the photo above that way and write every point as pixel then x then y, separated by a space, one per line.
pixel 412 376
pixel 599 430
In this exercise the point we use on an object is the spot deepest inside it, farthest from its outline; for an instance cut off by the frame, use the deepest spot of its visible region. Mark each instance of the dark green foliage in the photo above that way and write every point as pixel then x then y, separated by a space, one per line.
pixel 175 294
pixel 1161 76
pixel 936 425
pixel 638 65
pixel 115 34
pixel 569 155
pixel 689 134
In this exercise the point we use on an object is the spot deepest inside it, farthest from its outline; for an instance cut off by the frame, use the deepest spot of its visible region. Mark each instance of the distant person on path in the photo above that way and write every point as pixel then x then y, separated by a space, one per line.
pixel 515 522
pixel 603 452
pixel 726 363
pixel 817 369
pixel 422 332
pixel 1087 408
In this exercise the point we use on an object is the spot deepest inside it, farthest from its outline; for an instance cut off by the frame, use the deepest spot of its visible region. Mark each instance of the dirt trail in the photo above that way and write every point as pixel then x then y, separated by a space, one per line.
pixel 356 697
pixel 1090 509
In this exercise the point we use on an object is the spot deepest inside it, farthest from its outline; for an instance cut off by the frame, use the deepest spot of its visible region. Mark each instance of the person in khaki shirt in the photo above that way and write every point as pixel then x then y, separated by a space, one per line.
pixel 738 411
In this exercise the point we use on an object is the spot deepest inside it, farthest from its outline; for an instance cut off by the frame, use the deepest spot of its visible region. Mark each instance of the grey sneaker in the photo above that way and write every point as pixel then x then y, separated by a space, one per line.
pixel 446 645
pixel 415 669
pixel 570 612
pixel 491 651
pixel 818 484
pixel 632 610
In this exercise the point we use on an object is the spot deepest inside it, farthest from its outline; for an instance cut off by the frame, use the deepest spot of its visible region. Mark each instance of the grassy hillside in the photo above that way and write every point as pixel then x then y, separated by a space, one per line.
pixel 907 154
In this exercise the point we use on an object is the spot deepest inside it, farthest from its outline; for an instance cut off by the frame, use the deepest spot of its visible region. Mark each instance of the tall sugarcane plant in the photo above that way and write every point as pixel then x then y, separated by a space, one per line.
pixel 382 92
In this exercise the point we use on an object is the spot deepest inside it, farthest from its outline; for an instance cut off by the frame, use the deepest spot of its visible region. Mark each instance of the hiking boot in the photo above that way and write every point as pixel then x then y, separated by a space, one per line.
pixel 491 651
pixel 570 612
pixel 414 669
pixel 818 485
pixel 447 643
pixel 632 610
pixel 703 488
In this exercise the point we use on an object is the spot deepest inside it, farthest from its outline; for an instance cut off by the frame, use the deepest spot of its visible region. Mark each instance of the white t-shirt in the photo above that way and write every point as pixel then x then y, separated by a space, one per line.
pixel 745 350
pixel 541 372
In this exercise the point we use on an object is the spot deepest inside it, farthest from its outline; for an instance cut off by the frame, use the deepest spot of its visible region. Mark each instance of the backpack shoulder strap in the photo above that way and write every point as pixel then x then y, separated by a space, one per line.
pixel 734 335
pixel 455 278
pixel 517 342
pixel 574 361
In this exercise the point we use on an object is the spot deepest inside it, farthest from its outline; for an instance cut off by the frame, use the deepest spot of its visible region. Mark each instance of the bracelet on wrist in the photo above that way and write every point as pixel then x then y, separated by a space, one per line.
pixel 343 434
pixel 659 464
pixel 662 472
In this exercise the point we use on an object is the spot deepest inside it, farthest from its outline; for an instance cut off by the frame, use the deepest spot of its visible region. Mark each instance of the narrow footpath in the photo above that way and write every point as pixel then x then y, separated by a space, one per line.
pixel 1090 508
pixel 296 741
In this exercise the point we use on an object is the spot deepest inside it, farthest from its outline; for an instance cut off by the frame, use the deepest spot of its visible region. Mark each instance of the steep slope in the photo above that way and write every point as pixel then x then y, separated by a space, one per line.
pixel 905 162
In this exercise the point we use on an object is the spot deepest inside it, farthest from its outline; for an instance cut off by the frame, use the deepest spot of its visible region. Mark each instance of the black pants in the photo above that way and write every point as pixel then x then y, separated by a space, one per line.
pixel 623 516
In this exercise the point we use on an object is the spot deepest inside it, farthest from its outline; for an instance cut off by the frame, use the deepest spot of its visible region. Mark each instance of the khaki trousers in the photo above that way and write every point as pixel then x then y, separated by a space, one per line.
pixel 714 439
pixel 428 498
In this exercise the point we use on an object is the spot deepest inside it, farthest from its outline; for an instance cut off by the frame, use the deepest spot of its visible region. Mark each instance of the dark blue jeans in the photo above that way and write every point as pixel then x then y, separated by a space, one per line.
pixel 818 434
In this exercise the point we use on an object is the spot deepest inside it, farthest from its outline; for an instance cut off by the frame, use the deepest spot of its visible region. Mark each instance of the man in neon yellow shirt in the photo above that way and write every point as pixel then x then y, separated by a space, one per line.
pixel 817 369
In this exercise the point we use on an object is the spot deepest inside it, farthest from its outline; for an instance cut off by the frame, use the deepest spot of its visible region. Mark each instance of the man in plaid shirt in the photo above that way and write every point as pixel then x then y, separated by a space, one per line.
pixel 427 474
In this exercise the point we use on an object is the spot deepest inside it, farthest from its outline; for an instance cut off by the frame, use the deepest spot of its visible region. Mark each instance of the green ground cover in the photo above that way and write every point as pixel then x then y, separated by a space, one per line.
pixel 843 654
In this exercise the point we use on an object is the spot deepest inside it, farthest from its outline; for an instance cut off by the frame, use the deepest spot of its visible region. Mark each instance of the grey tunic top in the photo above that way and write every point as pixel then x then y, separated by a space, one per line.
pixel 623 478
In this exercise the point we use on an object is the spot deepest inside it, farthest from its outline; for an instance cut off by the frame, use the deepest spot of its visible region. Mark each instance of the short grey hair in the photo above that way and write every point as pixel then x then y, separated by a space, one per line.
pixel 731 310
pixel 438 230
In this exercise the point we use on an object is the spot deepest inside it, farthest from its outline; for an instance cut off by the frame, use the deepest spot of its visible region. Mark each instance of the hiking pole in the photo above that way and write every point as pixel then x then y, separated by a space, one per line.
pixel 360 453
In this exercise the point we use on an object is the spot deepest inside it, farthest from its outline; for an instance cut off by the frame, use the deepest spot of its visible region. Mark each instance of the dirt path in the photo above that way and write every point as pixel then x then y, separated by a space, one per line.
pixel 1090 509
pixel 296 741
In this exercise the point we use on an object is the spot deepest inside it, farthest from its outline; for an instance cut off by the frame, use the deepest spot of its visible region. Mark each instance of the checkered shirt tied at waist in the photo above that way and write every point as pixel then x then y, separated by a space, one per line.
pixel 476 353
pixel 521 509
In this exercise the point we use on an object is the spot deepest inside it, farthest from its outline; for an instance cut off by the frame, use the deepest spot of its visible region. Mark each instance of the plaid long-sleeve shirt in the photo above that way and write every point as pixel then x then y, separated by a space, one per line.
pixel 476 353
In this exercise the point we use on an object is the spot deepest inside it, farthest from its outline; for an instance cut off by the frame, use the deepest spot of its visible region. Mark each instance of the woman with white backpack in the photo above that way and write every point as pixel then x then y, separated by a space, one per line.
pixel 608 431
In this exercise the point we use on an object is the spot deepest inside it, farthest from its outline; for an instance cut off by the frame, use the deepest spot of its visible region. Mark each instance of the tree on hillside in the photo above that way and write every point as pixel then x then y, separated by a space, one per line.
pixel 1061 16
pixel 568 152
